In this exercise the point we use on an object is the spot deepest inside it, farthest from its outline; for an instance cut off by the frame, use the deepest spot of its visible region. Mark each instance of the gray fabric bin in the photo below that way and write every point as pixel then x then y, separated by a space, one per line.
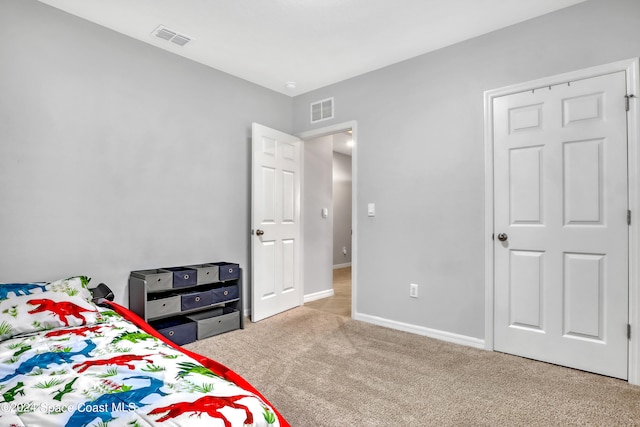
pixel 216 321
pixel 207 273
pixel 163 306
pixel 157 280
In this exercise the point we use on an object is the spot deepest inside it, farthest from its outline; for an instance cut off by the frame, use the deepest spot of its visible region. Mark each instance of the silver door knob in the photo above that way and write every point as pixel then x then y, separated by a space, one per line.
pixel 502 237
pixel 259 232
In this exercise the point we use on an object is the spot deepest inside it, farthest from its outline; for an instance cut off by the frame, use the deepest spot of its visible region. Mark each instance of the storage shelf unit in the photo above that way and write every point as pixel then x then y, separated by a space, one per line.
pixel 189 302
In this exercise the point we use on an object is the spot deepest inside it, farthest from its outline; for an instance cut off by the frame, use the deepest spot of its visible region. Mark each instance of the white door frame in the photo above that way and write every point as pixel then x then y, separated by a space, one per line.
pixel 329 130
pixel 631 67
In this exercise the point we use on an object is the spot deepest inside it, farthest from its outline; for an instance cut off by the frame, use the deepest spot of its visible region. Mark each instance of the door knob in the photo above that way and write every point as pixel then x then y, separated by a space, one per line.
pixel 502 237
pixel 259 232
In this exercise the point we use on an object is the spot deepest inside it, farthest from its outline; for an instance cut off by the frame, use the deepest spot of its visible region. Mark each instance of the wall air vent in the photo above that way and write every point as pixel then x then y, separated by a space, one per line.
pixel 165 33
pixel 322 110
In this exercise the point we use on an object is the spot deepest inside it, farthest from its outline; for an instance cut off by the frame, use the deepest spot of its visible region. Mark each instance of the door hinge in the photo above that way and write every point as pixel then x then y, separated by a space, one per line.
pixel 626 101
pixel 628 331
pixel 628 217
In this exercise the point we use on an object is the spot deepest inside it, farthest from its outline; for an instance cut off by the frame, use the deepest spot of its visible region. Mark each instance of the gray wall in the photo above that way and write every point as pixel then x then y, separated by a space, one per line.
pixel 317 230
pixel 341 208
pixel 420 156
pixel 115 155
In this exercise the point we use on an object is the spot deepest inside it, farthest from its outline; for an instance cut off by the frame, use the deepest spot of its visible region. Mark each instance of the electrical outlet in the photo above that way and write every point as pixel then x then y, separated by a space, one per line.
pixel 413 290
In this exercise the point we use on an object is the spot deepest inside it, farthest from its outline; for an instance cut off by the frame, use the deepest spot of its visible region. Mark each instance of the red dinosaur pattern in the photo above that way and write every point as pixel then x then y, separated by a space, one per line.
pixel 62 309
pixel 210 405
pixel 77 331
pixel 122 360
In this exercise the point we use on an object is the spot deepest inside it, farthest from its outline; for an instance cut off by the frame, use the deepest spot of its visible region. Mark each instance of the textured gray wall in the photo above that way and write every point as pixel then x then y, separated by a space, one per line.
pixel 420 156
pixel 342 197
pixel 317 230
pixel 116 155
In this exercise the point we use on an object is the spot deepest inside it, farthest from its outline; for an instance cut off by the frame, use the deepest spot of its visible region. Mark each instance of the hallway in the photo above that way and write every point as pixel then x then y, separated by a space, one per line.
pixel 340 302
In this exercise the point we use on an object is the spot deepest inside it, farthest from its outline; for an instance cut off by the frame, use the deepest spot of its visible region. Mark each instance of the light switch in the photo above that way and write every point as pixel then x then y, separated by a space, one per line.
pixel 325 212
pixel 371 209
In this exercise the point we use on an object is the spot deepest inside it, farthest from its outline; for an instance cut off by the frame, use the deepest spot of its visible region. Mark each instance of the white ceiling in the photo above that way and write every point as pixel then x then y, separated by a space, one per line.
pixel 313 43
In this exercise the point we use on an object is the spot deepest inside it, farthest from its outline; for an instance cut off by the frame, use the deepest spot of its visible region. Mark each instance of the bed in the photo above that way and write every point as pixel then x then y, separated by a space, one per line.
pixel 72 358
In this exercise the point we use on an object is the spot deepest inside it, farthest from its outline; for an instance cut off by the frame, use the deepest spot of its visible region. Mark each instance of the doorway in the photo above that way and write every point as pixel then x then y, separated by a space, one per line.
pixel 336 150
pixel 330 213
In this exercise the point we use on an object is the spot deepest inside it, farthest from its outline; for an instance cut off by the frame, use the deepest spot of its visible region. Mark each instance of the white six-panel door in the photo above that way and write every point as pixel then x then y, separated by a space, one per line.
pixel 561 233
pixel 276 229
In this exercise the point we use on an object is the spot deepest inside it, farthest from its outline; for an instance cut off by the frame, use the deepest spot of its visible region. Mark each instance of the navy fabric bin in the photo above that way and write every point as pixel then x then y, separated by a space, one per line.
pixel 227 271
pixel 224 293
pixel 196 300
pixel 180 330
pixel 183 277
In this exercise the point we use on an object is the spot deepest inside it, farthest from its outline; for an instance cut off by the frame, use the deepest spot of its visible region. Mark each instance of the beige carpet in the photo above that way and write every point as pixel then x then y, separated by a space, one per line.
pixel 340 302
pixel 321 369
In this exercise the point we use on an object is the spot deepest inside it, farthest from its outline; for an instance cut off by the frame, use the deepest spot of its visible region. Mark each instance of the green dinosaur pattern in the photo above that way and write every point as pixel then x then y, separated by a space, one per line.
pixel 134 337
pixel 187 368
pixel 10 395
pixel 12 311
pixel 21 349
pixel 68 388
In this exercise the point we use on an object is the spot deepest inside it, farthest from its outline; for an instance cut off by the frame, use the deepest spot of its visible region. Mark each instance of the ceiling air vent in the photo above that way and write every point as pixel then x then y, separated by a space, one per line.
pixel 170 35
pixel 322 110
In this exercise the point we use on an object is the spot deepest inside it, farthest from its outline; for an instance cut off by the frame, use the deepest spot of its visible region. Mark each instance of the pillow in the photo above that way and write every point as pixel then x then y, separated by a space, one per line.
pixel 74 286
pixel 32 307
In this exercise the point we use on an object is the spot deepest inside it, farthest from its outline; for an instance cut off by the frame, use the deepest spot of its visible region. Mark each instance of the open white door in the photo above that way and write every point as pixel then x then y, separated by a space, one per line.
pixel 275 221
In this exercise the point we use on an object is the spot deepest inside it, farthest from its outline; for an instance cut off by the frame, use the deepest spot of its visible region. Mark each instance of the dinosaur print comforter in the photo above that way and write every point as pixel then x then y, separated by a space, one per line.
pixel 102 370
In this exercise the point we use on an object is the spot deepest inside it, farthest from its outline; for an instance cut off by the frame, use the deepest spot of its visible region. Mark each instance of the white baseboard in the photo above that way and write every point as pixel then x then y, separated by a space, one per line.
pixel 318 295
pixel 421 330
pixel 345 265
pixel 307 298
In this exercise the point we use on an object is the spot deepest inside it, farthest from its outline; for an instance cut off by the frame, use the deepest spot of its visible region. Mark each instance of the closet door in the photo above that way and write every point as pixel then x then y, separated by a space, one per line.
pixel 561 232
